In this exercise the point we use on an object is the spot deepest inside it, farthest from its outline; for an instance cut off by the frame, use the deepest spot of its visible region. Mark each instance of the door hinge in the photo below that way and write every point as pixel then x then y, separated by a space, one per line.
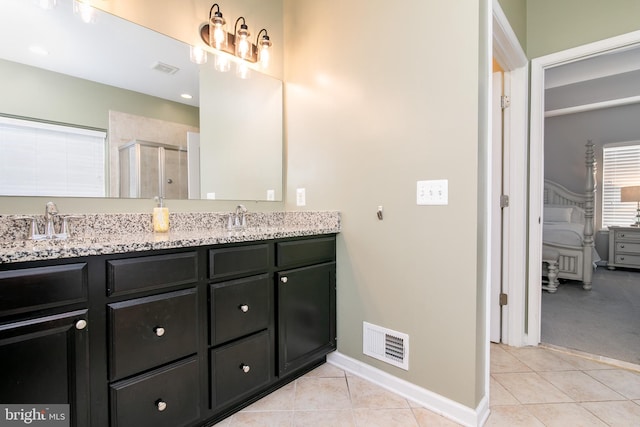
pixel 505 102
pixel 504 201
pixel 503 299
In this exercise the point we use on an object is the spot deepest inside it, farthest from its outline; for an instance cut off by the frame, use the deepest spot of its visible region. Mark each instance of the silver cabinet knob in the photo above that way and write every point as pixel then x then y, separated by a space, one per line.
pixel 81 324
pixel 245 368
pixel 284 279
pixel 159 331
pixel 161 405
pixel 244 308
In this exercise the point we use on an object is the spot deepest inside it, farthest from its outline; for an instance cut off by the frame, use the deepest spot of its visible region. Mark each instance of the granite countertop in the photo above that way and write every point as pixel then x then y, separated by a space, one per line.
pixel 86 243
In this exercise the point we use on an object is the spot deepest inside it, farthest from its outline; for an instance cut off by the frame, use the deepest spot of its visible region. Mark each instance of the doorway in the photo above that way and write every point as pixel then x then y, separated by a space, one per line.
pixel 538 68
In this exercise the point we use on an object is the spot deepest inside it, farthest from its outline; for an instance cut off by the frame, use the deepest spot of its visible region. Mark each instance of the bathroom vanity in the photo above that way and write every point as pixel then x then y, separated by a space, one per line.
pixel 169 332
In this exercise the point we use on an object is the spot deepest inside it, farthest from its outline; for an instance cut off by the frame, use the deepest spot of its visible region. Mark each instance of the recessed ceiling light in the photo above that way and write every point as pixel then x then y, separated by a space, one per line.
pixel 186 96
pixel 38 50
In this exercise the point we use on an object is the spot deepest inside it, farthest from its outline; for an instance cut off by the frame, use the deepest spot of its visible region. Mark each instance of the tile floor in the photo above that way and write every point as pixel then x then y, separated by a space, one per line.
pixel 529 387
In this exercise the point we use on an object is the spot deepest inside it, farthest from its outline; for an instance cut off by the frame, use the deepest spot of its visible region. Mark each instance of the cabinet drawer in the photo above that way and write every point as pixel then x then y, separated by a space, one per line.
pixel 151 272
pixel 147 332
pixel 308 251
pixel 31 289
pixel 628 248
pixel 239 308
pixel 240 368
pixel 165 397
pixel 242 260
pixel 628 260
pixel 628 235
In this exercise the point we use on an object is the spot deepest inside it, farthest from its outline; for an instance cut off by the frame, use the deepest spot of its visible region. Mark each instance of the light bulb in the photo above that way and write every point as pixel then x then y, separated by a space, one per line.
pixel 217 34
pixel 243 45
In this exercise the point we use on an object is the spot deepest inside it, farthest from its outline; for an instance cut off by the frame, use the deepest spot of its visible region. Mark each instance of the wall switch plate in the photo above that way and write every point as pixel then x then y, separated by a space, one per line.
pixel 433 192
pixel 301 197
pixel 271 195
pixel 211 196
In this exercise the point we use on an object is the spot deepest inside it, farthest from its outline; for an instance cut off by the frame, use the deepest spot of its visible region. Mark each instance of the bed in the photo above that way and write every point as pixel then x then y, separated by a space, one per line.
pixel 568 225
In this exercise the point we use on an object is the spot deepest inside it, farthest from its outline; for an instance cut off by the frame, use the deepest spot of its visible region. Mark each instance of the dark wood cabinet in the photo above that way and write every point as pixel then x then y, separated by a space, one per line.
pixel 147 332
pixel 44 339
pixel 177 337
pixel 45 360
pixel 306 315
pixel 166 397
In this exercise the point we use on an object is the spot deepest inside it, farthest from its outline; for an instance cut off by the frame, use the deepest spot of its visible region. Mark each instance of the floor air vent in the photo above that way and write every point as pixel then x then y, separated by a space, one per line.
pixel 386 345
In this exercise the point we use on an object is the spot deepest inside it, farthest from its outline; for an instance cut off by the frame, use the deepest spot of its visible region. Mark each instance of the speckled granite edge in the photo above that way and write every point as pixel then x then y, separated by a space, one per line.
pixel 97 234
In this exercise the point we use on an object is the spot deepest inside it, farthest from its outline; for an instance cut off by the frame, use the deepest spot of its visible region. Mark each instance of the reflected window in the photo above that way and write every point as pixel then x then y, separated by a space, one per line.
pixel 45 159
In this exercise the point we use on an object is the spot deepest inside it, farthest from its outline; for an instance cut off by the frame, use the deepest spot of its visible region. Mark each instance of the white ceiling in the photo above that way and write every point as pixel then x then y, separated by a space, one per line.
pixel 110 50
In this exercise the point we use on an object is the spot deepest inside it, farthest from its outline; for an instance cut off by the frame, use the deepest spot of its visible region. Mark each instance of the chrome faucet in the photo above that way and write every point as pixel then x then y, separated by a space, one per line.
pixel 238 220
pixel 50 212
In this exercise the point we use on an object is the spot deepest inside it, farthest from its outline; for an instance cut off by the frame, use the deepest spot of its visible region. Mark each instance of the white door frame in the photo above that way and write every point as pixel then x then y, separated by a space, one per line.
pixel 509 54
pixel 538 67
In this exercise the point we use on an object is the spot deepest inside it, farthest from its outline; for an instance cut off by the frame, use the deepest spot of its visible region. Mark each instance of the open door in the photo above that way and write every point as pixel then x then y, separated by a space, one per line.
pixel 495 328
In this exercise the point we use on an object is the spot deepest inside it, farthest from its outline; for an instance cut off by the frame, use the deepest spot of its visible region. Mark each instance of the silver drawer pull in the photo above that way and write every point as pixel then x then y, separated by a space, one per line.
pixel 245 368
pixel 159 331
pixel 161 405
pixel 622 246
pixel 244 308
pixel 284 279
pixel 81 324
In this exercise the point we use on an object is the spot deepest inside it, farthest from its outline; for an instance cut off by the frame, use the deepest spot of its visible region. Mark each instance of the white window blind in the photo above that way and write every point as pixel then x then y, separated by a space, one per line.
pixel 620 168
pixel 43 159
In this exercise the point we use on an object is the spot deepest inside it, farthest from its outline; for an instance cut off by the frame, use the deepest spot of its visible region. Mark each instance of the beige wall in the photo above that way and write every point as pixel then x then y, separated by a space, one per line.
pixel 554 25
pixel 367 117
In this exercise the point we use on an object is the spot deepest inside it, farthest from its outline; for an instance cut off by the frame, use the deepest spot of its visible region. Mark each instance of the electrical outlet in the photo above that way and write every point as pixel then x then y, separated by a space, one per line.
pixel 211 196
pixel 433 192
pixel 301 197
pixel 271 195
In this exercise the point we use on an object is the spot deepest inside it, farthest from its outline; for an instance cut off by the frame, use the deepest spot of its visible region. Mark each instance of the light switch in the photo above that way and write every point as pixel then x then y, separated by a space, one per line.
pixel 301 198
pixel 433 192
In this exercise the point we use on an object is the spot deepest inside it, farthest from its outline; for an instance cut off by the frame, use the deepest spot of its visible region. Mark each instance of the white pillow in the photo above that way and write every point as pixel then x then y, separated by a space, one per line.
pixel 553 214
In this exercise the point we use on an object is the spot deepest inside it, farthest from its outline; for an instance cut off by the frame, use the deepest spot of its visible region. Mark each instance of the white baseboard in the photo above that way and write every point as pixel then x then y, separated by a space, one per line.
pixel 423 397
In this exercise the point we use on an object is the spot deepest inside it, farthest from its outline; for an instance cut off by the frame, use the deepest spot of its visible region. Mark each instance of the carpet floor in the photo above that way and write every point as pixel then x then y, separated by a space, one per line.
pixel 604 321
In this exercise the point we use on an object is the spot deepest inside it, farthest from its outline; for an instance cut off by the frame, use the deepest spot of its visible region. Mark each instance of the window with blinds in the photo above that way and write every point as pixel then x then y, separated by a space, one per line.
pixel 620 168
pixel 43 159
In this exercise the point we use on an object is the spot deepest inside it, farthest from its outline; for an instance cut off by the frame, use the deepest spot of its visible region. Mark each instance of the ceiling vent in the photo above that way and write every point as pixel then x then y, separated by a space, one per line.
pixel 165 68
pixel 384 344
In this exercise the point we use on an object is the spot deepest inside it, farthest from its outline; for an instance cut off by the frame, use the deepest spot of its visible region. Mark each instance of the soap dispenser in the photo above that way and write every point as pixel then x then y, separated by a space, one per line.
pixel 160 216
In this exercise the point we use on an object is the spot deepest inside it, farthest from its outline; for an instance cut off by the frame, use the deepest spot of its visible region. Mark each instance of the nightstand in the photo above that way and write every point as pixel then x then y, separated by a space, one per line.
pixel 624 247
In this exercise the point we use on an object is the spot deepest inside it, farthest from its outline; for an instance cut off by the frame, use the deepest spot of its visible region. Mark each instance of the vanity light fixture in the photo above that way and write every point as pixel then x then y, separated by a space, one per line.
pixel 217 31
pixel 263 44
pixel 243 47
pixel 238 44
